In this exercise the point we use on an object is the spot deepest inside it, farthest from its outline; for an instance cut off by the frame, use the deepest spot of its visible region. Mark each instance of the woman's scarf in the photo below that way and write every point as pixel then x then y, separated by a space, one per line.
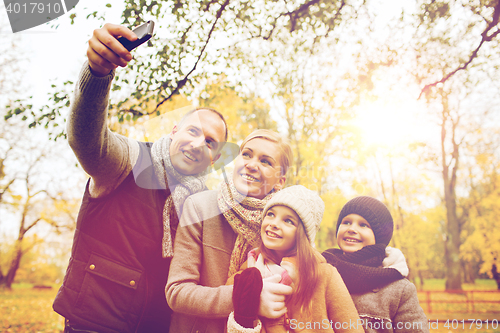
pixel 361 270
pixel 244 215
pixel 181 187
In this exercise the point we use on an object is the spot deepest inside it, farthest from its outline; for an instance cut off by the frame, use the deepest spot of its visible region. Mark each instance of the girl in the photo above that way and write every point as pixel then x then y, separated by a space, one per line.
pixel 320 301
pixel 385 300
pixel 216 231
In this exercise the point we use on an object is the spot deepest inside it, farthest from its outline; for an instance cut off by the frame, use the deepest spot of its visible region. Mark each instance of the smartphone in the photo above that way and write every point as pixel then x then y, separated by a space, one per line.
pixel 144 32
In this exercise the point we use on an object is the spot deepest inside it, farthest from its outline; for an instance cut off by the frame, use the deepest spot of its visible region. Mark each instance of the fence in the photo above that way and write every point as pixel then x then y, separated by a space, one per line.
pixel 460 301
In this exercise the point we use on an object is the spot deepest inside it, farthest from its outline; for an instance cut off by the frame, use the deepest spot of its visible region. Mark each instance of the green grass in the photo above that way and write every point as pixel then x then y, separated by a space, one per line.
pixel 461 303
pixel 439 284
pixel 26 310
pixel 450 310
pixel 22 286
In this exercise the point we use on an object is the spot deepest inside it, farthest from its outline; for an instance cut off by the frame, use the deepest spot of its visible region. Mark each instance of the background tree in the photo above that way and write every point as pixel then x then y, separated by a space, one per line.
pixel 484 207
pixel 456 117
pixel 482 23
pixel 31 194
pixel 450 50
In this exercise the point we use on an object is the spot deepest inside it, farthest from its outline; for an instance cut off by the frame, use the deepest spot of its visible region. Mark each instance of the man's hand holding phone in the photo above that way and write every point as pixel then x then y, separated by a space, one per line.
pixel 105 52
pixel 106 49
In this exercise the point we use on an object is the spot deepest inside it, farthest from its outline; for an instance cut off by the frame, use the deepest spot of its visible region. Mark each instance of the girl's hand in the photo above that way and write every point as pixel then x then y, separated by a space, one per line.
pixel 272 297
pixel 251 259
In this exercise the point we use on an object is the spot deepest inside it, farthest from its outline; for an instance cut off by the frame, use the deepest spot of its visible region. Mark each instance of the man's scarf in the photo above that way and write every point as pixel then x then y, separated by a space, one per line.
pixel 181 187
pixel 361 270
pixel 244 214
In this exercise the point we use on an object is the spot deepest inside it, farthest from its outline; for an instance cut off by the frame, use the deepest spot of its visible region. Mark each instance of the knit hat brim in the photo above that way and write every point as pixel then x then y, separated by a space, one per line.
pixel 373 211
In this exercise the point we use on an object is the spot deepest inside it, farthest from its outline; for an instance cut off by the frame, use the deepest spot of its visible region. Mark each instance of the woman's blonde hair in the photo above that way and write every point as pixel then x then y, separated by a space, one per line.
pixel 286 153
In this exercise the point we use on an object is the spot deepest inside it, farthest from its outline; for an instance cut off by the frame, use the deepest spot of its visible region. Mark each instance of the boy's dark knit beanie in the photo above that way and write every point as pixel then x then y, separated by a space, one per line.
pixel 373 211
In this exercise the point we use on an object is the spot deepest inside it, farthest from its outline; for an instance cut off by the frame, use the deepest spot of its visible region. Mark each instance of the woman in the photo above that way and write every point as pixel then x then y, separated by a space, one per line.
pixel 217 229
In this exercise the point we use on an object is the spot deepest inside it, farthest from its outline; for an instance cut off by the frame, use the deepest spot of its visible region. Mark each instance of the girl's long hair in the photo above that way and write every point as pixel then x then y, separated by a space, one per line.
pixel 307 266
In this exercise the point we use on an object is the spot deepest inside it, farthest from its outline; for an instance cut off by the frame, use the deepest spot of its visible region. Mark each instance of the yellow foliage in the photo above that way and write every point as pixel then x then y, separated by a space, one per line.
pixel 326 236
pixel 419 239
pixel 482 242
pixel 152 127
pixel 243 114
pixel 485 239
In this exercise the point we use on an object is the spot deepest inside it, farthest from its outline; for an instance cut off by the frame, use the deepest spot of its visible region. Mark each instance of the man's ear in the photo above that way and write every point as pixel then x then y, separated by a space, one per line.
pixel 174 130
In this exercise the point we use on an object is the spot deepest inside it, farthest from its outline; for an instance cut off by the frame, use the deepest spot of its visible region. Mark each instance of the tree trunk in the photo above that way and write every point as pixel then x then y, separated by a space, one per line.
pixel 496 275
pixel 452 260
pixel 469 272
pixel 14 265
pixel 449 170
pixel 2 278
pixel 420 276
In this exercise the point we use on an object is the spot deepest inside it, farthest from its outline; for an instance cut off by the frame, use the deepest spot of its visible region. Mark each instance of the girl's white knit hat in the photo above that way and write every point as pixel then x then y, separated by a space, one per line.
pixel 306 203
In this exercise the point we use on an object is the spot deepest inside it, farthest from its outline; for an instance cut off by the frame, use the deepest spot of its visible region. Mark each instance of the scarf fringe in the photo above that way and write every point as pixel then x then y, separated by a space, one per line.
pixel 183 186
pixel 244 215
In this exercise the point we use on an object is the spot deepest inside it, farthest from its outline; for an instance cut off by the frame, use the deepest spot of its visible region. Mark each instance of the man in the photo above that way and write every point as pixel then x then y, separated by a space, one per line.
pixel 123 239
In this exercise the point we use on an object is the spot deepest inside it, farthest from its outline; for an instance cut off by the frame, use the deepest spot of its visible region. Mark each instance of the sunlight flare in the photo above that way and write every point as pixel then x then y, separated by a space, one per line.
pixel 390 123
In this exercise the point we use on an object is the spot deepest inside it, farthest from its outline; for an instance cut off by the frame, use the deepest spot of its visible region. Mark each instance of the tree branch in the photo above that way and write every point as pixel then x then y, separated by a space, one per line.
pixel 32 245
pixel 31 225
pixel 294 15
pixel 485 37
pixel 6 188
pixel 182 82
pixel 37 193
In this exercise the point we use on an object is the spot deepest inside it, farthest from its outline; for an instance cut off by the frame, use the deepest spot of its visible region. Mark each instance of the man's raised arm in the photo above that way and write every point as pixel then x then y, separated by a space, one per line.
pixel 105 156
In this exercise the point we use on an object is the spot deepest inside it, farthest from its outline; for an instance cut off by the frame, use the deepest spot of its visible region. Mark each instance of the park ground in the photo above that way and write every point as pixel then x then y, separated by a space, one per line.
pixel 26 309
